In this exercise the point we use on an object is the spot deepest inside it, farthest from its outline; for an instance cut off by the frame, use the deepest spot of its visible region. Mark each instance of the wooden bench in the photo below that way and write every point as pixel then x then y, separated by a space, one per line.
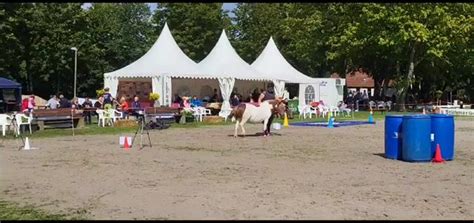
pixel 58 118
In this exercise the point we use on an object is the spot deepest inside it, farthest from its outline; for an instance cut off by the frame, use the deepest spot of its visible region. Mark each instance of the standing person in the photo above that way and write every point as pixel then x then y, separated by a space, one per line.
pixel 350 101
pixel 215 96
pixel 99 104
pixel 63 102
pixel 31 103
pixel 357 98
pixel 365 98
pixel 87 105
pixel 265 96
pixel 52 102
pixel 108 99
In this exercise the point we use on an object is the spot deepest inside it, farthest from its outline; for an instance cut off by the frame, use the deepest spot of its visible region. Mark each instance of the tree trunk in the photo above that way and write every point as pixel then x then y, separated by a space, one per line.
pixel 384 87
pixel 411 69
pixel 29 75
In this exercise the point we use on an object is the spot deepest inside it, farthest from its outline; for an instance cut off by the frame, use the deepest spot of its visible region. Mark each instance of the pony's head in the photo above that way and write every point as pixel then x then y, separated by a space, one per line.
pixel 278 107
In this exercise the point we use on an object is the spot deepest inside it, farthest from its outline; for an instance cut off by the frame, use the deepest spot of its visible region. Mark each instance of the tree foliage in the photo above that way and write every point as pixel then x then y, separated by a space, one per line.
pixel 423 47
pixel 196 27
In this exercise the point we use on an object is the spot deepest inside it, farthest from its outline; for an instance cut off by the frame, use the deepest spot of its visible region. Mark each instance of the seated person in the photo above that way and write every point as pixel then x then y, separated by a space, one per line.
pixel 178 100
pixel 124 107
pixel 186 103
pixel 136 107
pixel 195 102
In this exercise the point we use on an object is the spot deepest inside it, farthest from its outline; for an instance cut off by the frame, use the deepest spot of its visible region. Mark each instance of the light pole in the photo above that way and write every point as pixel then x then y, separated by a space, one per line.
pixel 75 69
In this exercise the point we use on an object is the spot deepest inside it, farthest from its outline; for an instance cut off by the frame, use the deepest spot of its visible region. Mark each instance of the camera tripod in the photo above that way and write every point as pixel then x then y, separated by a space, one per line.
pixel 141 128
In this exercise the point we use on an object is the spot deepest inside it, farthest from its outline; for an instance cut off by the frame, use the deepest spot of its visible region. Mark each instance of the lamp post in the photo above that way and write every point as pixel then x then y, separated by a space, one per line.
pixel 75 69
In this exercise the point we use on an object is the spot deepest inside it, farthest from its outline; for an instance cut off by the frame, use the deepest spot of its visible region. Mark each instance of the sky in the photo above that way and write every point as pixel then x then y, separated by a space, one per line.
pixel 226 6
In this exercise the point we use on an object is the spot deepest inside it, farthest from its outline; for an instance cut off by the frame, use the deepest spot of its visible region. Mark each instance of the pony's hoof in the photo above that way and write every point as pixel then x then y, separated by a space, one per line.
pixel 235 136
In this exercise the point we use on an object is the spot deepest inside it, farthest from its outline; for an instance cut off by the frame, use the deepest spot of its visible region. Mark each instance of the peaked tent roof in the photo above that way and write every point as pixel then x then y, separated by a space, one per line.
pixel 164 57
pixel 271 61
pixel 6 83
pixel 223 61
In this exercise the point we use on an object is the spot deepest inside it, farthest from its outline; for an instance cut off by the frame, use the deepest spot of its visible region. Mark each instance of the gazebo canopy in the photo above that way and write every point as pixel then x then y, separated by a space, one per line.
pixel 8 84
pixel 272 62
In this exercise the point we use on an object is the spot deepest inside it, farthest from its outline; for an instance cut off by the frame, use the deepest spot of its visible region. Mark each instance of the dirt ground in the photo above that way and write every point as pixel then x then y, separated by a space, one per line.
pixel 205 173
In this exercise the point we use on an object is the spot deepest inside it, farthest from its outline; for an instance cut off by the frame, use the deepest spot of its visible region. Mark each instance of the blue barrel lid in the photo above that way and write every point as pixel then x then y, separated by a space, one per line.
pixel 416 117
pixel 394 116
pixel 441 116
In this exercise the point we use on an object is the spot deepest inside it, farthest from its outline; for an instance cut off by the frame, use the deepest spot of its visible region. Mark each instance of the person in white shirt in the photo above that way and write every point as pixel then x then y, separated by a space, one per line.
pixel 53 102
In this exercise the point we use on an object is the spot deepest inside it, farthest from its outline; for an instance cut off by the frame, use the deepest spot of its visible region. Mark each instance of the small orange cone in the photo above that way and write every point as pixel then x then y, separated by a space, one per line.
pixel 437 158
pixel 125 145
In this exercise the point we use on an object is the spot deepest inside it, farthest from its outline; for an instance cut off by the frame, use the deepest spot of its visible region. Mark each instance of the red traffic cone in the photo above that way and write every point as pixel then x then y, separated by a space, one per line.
pixel 125 145
pixel 438 158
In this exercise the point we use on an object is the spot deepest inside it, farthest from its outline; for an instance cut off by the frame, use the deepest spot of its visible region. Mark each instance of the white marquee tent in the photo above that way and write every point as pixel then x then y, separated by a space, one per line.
pixel 271 61
pixel 224 62
pixel 171 71
pixel 163 61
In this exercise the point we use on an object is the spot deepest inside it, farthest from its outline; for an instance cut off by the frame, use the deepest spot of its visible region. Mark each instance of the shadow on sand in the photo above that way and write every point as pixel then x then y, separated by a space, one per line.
pixel 379 154
pixel 258 134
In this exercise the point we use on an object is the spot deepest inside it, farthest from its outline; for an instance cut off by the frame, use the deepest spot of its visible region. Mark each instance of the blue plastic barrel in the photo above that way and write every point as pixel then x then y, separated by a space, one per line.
pixel 416 143
pixel 442 127
pixel 393 137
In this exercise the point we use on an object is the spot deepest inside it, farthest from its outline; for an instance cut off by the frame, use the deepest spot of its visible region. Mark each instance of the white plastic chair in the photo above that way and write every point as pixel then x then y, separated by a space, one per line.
pixel 104 117
pixel 380 105
pixel 199 112
pixel 334 110
pixel 323 110
pixel 5 120
pixel 389 105
pixel 306 110
pixel 372 104
pixel 22 119
pixel 114 115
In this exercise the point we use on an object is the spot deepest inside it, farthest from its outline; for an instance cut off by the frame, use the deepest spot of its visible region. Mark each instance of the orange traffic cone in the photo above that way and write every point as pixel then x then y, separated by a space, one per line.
pixel 438 158
pixel 125 145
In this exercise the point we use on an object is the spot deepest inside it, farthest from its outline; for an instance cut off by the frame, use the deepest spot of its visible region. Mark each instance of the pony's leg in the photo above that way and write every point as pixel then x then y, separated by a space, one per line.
pixel 265 122
pixel 242 122
pixel 236 127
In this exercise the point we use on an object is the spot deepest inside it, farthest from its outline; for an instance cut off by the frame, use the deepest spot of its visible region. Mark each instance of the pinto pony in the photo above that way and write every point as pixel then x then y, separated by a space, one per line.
pixel 248 112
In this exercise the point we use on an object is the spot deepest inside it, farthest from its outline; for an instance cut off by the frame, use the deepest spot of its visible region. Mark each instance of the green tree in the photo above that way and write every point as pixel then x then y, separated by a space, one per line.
pixel 404 35
pixel 195 26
